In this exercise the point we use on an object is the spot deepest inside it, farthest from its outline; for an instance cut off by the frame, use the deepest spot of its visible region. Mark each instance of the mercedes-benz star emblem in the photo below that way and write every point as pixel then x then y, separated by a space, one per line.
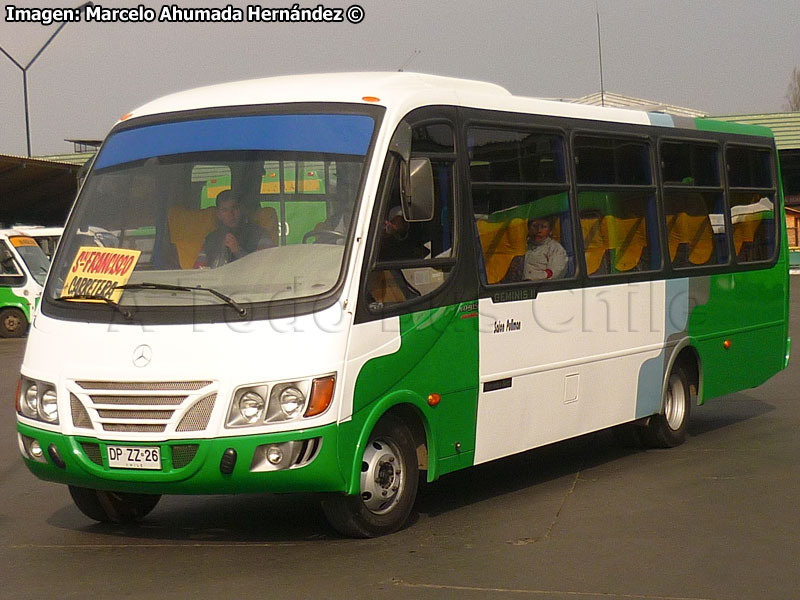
pixel 142 355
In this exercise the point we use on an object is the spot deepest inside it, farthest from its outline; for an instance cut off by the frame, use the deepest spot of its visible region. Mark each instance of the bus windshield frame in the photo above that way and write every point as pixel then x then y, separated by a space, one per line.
pixel 292 174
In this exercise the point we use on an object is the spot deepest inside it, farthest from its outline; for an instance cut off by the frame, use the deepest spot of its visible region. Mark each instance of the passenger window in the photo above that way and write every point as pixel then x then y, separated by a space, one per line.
pixel 414 259
pixel 690 164
pixel 520 204
pixel 617 204
pixel 601 160
pixel 9 270
pixel 693 205
pixel 752 201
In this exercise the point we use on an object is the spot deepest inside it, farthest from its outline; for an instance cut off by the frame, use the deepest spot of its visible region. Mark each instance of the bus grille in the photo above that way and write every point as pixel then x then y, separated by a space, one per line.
pixel 140 407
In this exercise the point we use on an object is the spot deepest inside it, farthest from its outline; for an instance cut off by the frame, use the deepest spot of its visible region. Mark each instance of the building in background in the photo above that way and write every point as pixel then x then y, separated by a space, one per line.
pixel 41 190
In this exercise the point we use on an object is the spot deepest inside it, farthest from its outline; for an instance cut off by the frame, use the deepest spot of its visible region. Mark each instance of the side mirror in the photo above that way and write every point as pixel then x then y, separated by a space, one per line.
pixel 401 141
pixel 416 190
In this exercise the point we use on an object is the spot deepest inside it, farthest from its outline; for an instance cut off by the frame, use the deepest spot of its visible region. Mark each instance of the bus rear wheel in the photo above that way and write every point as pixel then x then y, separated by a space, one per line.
pixel 12 323
pixel 668 429
pixel 389 480
pixel 113 507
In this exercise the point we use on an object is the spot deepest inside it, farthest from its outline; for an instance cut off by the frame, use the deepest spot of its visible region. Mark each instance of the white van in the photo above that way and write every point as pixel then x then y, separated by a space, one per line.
pixel 23 269
pixel 46 237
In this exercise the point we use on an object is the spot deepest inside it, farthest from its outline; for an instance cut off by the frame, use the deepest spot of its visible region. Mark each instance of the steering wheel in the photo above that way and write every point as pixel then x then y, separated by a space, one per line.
pixel 321 234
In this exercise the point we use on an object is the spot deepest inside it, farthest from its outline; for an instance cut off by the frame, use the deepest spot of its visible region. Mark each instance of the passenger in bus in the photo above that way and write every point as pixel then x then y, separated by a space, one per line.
pixel 234 237
pixel 397 241
pixel 545 257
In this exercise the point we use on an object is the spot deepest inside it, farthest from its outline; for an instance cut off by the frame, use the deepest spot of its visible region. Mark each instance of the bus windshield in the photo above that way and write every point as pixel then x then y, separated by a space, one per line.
pixel 35 259
pixel 256 207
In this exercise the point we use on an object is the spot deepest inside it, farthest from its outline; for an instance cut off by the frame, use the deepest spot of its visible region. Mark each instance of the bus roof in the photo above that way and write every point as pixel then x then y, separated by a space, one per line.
pixel 401 92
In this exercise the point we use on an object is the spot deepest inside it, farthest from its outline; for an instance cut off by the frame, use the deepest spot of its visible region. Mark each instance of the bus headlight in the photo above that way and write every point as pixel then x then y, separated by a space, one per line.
pixel 37 400
pixel 247 407
pixel 262 403
pixel 48 406
pixel 251 406
pixel 292 401
pixel 30 401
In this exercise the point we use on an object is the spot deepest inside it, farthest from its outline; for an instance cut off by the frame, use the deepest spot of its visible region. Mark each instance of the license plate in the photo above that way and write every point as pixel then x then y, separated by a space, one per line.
pixel 134 457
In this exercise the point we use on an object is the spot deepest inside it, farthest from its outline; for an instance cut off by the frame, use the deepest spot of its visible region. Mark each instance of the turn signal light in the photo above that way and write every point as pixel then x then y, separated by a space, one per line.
pixel 371 99
pixel 727 344
pixel 434 399
pixel 321 395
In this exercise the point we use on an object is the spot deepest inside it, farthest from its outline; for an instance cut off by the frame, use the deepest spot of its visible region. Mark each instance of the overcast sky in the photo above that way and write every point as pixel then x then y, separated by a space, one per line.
pixel 720 56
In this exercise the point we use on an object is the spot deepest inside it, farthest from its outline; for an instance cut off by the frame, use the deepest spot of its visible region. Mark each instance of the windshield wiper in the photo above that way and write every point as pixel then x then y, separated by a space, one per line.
pixel 185 288
pixel 121 310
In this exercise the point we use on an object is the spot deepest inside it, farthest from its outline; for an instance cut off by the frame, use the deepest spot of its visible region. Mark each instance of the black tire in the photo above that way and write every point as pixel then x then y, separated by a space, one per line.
pixel 668 429
pixel 113 507
pixel 12 323
pixel 389 481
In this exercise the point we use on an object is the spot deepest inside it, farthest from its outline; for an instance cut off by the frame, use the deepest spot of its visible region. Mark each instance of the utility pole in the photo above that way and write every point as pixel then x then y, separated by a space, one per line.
pixel 600 54
pixel 25 73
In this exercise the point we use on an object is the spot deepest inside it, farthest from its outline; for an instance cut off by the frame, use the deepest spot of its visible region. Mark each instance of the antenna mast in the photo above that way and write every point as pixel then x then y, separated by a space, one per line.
pixel 408 60
pixel 600 54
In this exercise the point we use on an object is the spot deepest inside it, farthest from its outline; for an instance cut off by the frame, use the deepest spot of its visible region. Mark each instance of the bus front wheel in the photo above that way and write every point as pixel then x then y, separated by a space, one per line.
pixel 12 323
pixel 389 479
pixel 113 507
pixel 668 429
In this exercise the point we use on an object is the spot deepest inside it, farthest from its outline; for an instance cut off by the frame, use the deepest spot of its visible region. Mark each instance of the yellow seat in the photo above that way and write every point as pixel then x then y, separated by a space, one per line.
pixel 501 242
pixel 628 238
pixel 701 239
pixel 595 241
pixel 744 231
pixel 188 228
pixel 693 230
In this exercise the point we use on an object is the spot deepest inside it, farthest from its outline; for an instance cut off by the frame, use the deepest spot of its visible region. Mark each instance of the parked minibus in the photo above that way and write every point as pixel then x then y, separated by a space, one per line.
pixel 353 283
pixel 46 237
pixel 23 268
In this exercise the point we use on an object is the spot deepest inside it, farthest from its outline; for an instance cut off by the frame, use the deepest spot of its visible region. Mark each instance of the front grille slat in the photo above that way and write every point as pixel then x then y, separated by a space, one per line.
pixel 138 400
pixel 163 415
pixel 143 386
pixel 133 428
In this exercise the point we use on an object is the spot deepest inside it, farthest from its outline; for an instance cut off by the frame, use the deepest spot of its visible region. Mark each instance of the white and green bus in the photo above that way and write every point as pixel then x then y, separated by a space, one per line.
pixel 23 269
pixel 399 332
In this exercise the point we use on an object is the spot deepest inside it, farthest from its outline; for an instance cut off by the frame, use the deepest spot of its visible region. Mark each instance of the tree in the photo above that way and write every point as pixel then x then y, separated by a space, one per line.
pixel 793 91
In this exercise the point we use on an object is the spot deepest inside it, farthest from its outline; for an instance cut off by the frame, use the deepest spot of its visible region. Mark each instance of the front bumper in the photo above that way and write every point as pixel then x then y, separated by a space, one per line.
pixel 193 466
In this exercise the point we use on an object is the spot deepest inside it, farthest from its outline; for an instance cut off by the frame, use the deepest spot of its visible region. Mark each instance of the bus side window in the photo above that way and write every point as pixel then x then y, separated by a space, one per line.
pixel 524 231
pixel 617 203
pixel 414 259
pixel 752 201
pixel 693 204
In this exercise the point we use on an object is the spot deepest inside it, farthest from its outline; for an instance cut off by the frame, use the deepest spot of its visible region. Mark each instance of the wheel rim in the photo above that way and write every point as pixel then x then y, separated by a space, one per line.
pixel 12 322
pixel 675 407
pixel 382 476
